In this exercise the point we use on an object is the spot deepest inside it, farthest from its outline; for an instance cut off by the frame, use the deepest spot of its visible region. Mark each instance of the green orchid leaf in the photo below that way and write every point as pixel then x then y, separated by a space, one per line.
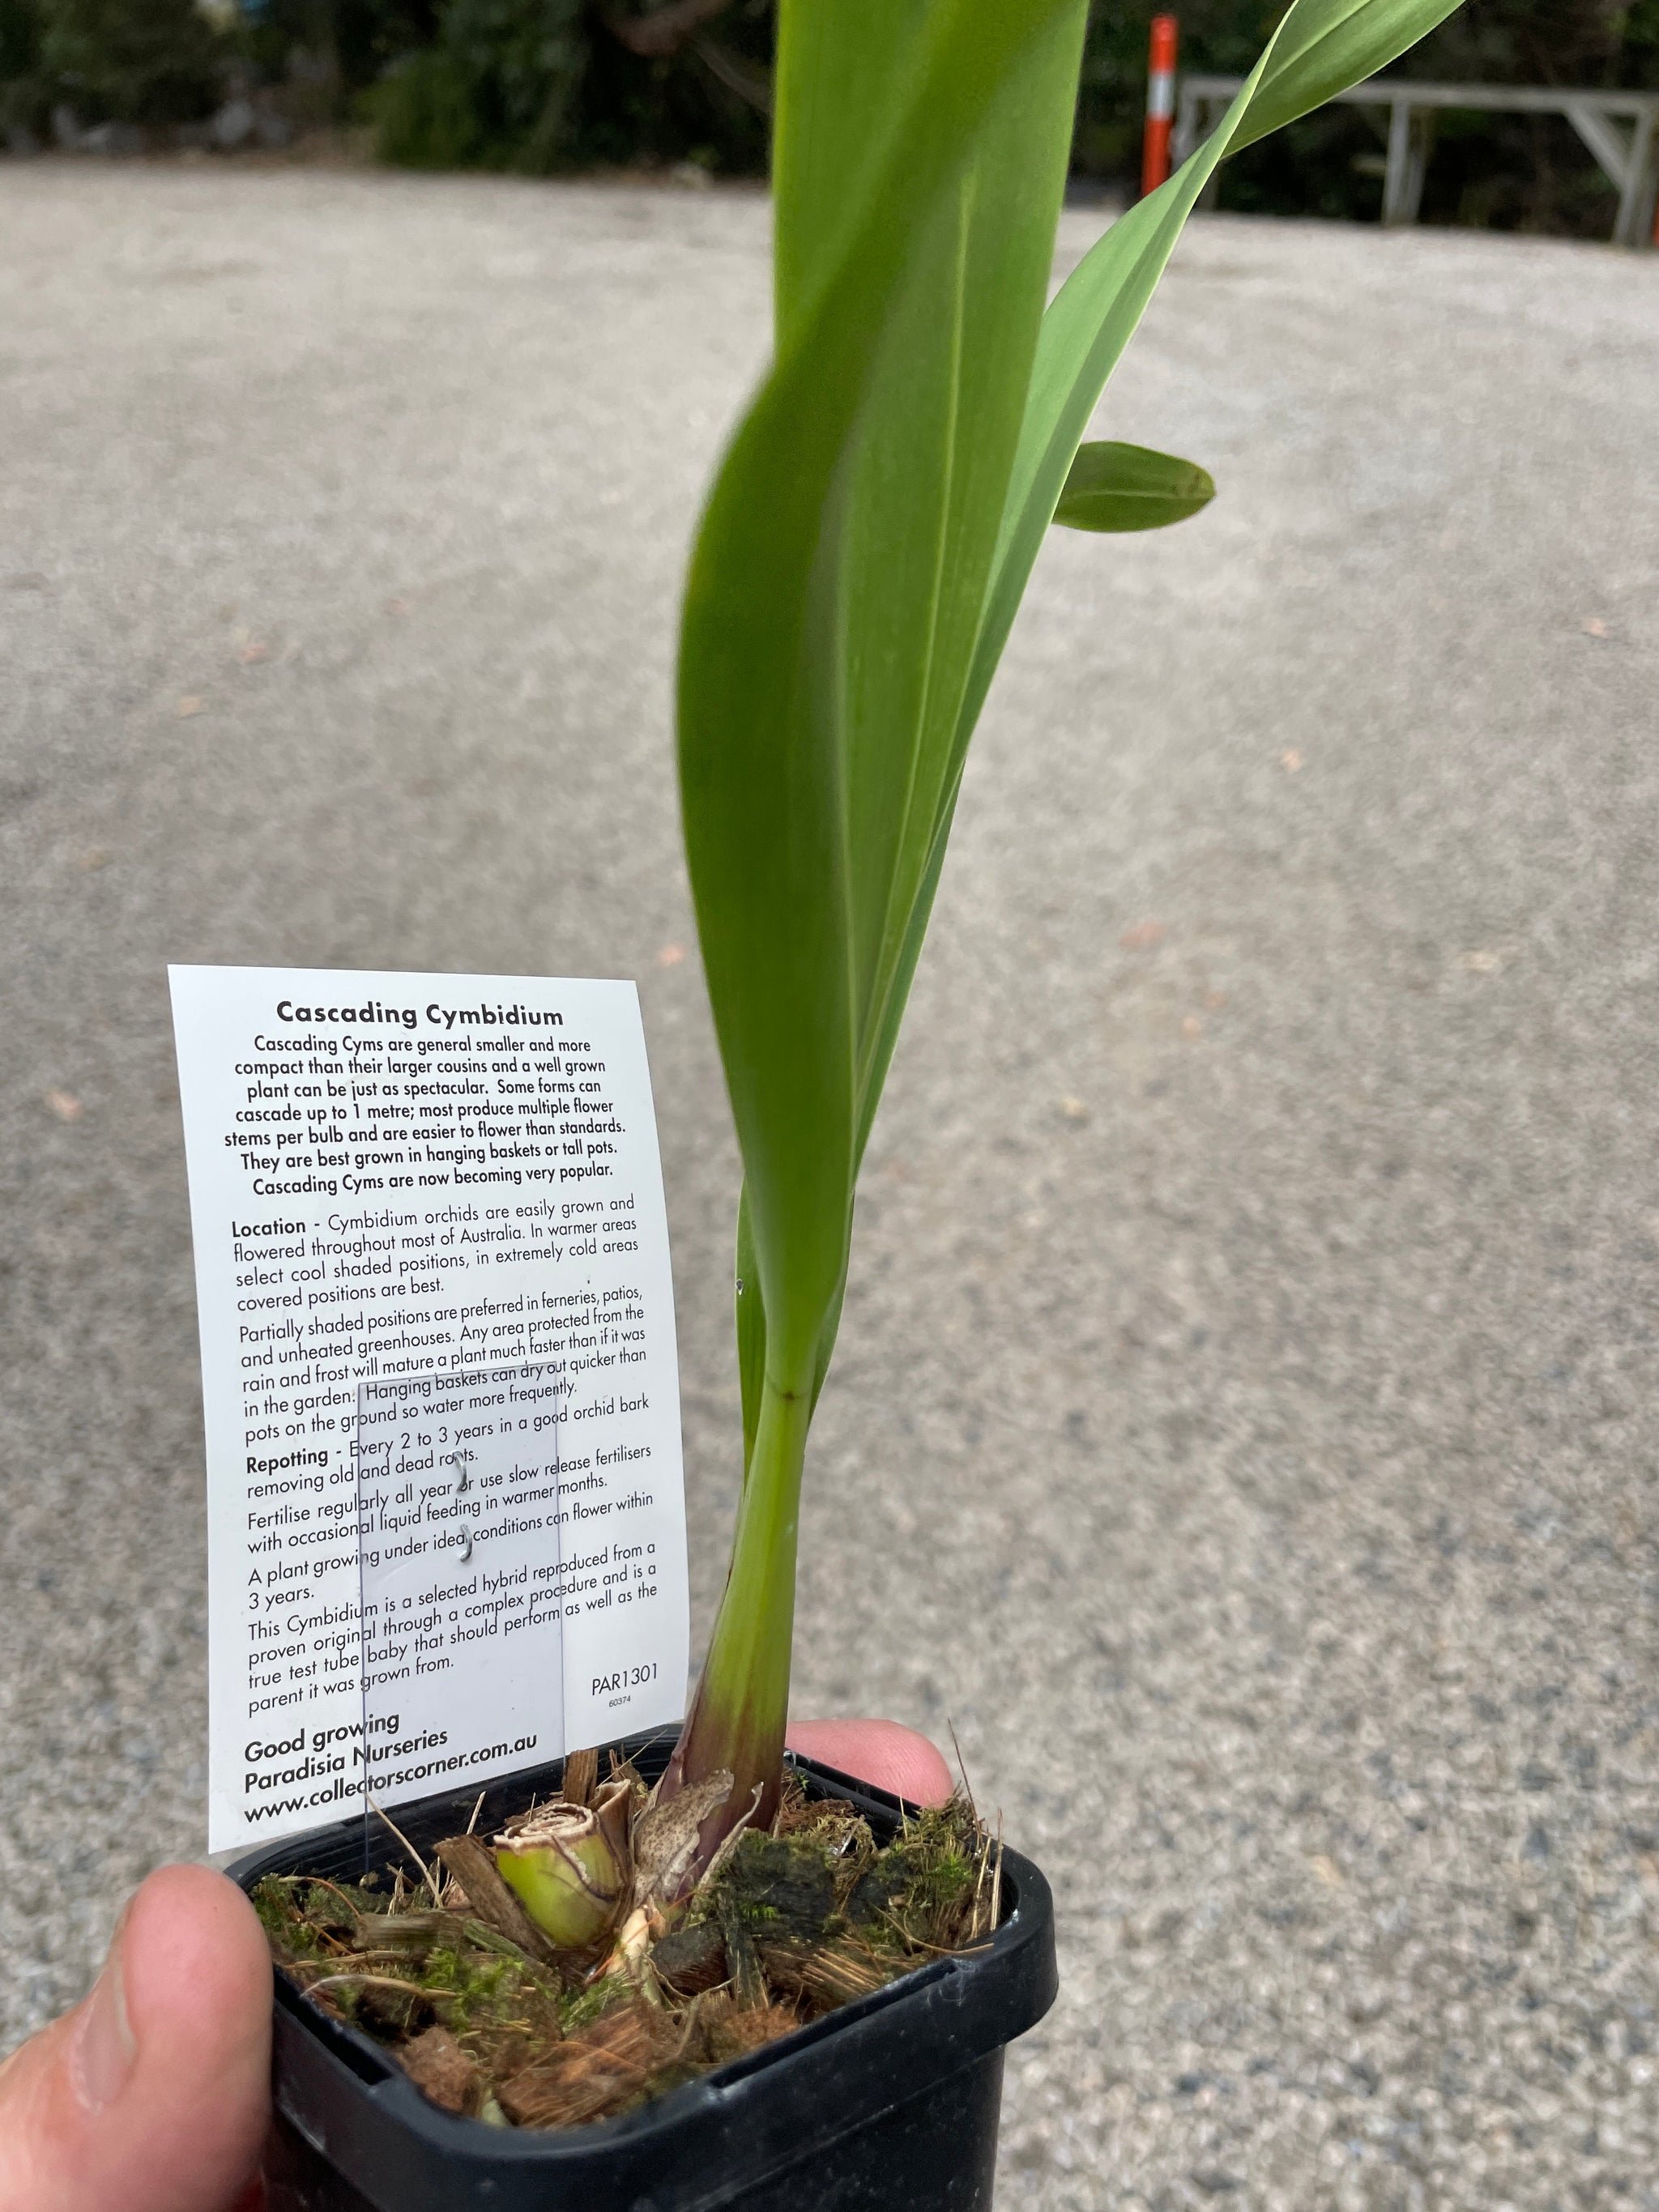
pixel 1110 486
pixel 794 908
pixel 855 575
pixel 750 1312
pixel 835 594
pixel 1085 332
pixel 1319 47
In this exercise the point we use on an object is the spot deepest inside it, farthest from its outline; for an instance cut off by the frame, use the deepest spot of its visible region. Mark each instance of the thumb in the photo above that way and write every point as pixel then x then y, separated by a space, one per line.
pixel 151 2095
pixel 885 1752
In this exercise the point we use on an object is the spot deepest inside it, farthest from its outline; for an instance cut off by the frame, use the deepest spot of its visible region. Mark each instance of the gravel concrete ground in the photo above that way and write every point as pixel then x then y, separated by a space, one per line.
pixel 1245 1422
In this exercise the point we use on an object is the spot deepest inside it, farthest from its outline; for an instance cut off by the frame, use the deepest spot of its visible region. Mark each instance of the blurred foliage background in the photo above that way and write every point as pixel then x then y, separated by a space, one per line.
pixel 541 86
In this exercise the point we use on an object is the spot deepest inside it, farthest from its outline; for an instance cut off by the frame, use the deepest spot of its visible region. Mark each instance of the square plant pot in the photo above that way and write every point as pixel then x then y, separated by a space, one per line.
pixel 892 2100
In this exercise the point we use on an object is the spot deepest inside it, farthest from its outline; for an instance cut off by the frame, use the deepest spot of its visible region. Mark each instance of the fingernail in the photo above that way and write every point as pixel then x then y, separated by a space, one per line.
pixel 104 2048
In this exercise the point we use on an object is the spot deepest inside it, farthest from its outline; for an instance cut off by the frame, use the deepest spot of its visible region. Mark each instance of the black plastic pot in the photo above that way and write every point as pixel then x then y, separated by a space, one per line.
pixel 891 2101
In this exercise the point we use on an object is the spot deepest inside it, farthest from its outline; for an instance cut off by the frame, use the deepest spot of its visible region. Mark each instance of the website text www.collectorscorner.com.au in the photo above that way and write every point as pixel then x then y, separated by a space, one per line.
pixel 329 1757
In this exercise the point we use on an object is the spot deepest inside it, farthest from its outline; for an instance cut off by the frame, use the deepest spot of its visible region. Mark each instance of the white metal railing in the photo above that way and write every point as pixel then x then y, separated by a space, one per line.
pixel 1626 156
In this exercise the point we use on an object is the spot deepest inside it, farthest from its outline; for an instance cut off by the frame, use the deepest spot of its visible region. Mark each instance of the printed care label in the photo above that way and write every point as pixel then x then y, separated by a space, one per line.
pixel 446 1527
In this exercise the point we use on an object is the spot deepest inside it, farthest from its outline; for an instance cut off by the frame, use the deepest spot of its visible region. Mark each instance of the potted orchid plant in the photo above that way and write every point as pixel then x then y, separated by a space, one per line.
pixel 720 1982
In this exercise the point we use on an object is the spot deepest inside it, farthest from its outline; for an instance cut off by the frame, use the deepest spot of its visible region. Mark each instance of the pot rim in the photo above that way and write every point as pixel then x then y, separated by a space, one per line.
pixel 900 2041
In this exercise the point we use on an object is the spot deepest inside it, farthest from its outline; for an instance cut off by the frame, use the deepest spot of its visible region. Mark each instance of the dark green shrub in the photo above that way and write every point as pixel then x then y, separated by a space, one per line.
pixel 425 113
pixel 19 40
pixel 495 90
pixel 22 90
pixel 366 37
pixel 538 85
pixel 132 61
pixel 684 105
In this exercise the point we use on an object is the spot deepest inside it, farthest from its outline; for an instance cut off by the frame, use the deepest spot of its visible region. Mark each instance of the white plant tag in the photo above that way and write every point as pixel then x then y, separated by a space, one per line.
pixel 459 1511
pixel 408 1179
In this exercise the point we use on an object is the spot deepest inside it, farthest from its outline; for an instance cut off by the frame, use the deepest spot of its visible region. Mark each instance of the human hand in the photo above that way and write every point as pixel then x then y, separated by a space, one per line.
pixel 152 2095
pixel 883 1753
